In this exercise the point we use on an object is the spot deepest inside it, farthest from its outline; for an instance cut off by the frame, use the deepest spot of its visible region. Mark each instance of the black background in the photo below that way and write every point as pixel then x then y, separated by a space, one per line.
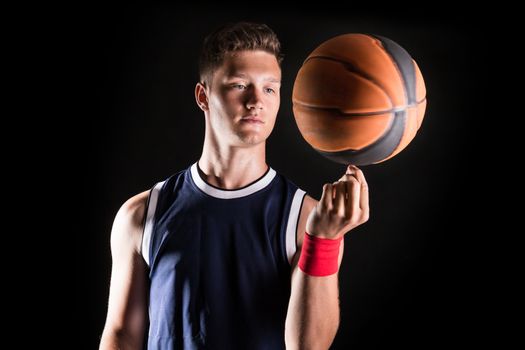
pixel 407 275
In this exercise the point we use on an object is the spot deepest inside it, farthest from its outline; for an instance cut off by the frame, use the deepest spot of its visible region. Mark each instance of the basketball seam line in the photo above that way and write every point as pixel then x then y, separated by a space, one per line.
pixel 395 64
pixel 369 147
pixel 393 110
pixel 349 67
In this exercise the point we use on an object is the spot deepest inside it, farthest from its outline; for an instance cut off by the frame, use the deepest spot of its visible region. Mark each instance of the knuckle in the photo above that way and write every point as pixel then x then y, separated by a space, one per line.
pixel 353 182
pixel 352 222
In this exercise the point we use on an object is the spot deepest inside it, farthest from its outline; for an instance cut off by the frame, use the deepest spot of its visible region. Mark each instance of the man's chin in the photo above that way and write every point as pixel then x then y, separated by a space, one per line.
pixel 251 140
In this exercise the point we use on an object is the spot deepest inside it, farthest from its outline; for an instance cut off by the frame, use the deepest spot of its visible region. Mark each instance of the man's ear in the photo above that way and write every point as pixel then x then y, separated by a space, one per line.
pixel 201 96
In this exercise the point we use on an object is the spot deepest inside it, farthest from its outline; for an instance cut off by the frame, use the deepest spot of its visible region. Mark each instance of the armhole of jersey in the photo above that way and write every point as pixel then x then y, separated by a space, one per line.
pixel 293 220
pixel 149 221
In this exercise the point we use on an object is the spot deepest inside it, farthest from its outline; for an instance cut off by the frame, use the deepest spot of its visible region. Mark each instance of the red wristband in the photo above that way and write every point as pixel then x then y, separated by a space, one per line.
pixel 319 256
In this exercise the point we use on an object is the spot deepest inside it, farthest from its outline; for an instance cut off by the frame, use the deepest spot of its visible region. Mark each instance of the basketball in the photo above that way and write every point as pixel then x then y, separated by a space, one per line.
pixel 359 99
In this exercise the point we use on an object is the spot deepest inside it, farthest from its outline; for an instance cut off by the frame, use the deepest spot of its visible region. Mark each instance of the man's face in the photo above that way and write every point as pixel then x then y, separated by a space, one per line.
pixel 244 97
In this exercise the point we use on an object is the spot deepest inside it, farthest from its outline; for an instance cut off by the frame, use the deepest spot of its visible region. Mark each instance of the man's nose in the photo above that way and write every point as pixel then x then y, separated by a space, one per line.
pixel 254 100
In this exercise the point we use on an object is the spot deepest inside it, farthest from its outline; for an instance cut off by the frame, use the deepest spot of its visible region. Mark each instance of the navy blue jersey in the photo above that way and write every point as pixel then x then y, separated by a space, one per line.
pixel 219 262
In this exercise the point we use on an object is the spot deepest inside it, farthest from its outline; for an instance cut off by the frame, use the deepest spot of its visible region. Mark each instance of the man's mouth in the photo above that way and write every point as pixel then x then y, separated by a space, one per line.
pixel 252 119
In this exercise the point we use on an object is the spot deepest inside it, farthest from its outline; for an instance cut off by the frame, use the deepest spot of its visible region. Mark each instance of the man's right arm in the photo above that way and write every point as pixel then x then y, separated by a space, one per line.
pixel 127 309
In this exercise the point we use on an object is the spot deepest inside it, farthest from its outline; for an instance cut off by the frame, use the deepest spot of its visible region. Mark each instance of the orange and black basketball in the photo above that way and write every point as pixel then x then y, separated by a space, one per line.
pixel 359 99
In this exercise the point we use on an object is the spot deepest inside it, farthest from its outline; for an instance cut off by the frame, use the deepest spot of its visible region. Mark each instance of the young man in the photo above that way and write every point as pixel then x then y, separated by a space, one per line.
pixel 229 254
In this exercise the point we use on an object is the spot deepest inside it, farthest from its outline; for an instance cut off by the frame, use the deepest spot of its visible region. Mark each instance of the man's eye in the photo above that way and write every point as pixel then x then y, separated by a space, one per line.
pixel 269 90
pixel 239 86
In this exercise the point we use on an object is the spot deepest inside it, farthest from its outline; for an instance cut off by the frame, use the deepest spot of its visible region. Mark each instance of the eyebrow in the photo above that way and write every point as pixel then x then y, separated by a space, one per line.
pixel 243 76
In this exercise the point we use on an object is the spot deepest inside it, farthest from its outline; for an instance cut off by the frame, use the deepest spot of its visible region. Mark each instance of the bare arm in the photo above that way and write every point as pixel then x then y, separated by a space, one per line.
pixel 126 318
pixel 313 312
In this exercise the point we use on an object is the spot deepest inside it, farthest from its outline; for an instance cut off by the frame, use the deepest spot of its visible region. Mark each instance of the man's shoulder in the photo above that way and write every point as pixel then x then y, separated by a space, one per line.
pixel 129 221
pixel 284 178
pixel 133 210
pixel 308 200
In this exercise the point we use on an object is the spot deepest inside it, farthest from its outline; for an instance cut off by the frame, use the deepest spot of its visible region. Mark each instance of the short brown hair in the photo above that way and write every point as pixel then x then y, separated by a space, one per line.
pixel 236 37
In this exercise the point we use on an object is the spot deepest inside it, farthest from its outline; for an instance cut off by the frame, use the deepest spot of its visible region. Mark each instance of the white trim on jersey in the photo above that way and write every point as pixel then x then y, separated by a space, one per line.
pixel 148 225
pixel 291 227
pixel 230 194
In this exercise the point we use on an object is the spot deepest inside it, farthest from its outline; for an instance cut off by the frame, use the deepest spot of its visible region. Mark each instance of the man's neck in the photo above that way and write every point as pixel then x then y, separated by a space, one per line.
pixel 233 167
